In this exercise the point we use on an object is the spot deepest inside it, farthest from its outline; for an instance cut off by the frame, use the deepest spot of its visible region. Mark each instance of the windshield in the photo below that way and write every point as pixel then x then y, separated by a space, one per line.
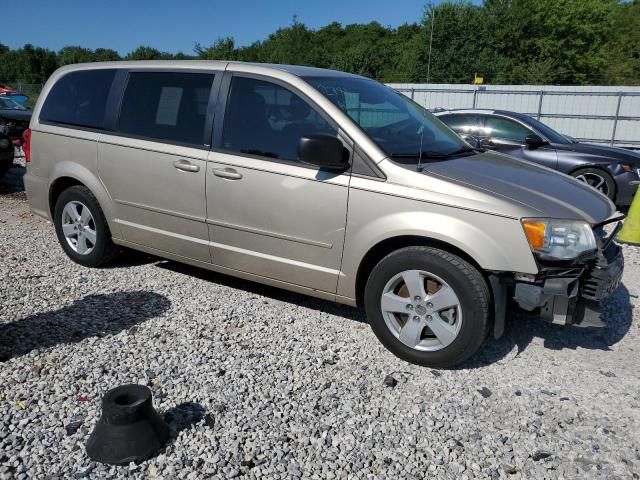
pixel 400 127
pixel 550 133
pixel 8 104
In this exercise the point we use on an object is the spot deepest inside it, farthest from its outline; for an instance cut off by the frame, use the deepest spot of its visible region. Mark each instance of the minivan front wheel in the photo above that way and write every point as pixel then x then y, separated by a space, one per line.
pixel 81 227
pixel 428 306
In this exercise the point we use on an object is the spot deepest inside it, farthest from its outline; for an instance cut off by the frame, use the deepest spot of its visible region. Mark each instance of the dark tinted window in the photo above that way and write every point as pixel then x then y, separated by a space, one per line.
pixel 547 131
pixel 167 106
pixel 266 119
pixel 79 98
pixel 462 124
pixel 498 127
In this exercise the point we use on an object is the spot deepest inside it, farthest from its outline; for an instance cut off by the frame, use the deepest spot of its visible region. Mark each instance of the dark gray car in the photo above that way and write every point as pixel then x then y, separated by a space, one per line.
pixel 613 171
pixel 14 118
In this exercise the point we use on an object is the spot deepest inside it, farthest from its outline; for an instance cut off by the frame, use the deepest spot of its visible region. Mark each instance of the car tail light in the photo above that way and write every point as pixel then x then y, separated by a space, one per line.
pixel 26 146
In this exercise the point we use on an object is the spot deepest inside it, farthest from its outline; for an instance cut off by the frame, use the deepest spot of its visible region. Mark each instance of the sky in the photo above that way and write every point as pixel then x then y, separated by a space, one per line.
pixel 174 26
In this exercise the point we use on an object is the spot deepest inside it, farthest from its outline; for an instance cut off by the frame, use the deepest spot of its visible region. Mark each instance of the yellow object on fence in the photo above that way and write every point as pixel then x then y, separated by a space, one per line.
pixel 630 232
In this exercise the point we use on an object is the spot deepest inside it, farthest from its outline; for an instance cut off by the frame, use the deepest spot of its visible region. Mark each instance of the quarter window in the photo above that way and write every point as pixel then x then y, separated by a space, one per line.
pixel 166 106
pixel 502 128
pixel 79 98
pixel 265 119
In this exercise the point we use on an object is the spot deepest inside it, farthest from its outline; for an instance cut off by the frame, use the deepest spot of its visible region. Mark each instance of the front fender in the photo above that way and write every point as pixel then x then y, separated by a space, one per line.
pixel 495 243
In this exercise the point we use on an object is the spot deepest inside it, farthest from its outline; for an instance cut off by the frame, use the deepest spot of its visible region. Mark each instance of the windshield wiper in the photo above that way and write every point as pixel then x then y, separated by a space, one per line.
pixel 430 154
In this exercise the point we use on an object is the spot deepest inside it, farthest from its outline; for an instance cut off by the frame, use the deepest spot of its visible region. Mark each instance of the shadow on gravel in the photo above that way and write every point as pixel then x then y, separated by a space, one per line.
pixel 12 182
pixel 617 315
pixel 184 416
pixel 130 258
pixel 267 291
pixel 92 316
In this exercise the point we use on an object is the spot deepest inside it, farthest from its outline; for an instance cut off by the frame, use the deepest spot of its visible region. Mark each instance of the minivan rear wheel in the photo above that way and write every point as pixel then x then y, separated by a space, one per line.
pixel 428 306
pixel 82 229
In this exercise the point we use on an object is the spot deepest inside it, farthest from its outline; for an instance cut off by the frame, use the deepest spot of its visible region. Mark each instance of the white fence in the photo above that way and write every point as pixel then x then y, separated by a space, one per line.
pixel 608 115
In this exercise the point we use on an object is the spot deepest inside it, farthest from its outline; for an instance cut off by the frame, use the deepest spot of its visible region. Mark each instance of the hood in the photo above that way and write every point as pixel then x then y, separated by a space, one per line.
pixel 19 115
pixel 604 152
pixel 543 191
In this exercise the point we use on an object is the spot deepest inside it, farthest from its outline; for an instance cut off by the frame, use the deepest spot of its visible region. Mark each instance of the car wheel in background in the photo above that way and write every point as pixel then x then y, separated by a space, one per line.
pixel 428 306
pixel 598 179
pixel 82 229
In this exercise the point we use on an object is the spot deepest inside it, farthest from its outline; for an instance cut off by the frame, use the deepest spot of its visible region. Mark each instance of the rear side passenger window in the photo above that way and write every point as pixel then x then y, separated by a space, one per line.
pixel 166 106
pixel 79 99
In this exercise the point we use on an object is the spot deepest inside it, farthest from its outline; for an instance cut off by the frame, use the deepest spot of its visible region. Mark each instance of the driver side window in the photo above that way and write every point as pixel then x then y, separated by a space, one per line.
pixel 266 119
pixel 504 129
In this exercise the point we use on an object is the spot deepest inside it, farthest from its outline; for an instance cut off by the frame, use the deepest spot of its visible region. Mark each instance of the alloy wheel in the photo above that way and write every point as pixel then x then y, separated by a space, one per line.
pixel 594 180
pixel 78 227
pixel 421 310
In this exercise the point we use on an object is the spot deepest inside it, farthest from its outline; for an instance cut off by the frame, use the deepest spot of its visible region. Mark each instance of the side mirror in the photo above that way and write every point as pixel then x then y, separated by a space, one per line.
pixel 486 143
pixel 533 141
pixel 323 151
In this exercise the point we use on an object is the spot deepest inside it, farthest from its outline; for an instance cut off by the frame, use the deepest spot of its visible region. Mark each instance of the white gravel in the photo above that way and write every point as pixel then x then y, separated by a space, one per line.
pixel 261 383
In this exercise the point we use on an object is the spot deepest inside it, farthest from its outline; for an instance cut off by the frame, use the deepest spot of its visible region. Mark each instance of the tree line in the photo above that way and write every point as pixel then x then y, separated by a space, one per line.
pixel 564 42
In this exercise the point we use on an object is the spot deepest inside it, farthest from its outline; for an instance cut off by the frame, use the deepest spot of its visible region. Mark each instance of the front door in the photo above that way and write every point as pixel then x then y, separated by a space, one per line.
pixel 268 214
pixel 154 165
pixel 508 136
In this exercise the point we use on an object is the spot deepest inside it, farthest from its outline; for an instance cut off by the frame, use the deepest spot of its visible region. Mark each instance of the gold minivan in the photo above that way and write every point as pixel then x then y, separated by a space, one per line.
pixel 320 182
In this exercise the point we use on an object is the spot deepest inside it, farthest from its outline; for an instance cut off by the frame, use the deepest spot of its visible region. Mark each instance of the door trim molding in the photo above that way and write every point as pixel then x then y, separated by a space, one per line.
pixel 268 233
pixel 159 210
pixel 162 232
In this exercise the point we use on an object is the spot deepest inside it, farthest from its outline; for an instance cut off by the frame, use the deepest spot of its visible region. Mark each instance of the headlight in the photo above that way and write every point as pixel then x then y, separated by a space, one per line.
pixel 559 239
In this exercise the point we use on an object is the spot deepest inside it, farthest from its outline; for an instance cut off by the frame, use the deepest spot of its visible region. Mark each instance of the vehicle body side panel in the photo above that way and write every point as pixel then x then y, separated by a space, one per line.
pixel 156 204
pixel 494 242
pixel 64 152
pixel 278 220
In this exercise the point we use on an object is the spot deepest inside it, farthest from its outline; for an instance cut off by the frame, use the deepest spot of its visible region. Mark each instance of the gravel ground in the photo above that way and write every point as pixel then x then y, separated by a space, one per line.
pixel 257 382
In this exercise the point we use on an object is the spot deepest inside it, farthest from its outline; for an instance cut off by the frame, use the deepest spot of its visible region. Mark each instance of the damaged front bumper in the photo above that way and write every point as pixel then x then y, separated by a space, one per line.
pixel 572 296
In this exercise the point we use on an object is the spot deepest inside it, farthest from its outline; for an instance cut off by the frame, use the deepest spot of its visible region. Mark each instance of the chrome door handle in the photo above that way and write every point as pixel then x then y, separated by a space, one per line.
pixel 186 166
pixel 229 173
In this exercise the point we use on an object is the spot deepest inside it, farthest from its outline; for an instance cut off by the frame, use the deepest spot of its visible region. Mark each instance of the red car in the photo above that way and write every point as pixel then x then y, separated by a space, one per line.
pixel 5 89
pixel 10 92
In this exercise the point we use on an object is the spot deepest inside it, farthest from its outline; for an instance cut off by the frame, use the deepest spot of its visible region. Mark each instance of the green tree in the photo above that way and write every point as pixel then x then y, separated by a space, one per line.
pixel 145 53
pixel 105 55
pixel 73 54
pixel 458 46
pixel 622 49
pixel 28 64
pixel 222 49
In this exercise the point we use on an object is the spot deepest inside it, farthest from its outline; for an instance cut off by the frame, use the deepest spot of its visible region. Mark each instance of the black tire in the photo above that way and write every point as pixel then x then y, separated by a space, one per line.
pixel 468 284
pixel 104 249
pixel 5 165
pixel 591 173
